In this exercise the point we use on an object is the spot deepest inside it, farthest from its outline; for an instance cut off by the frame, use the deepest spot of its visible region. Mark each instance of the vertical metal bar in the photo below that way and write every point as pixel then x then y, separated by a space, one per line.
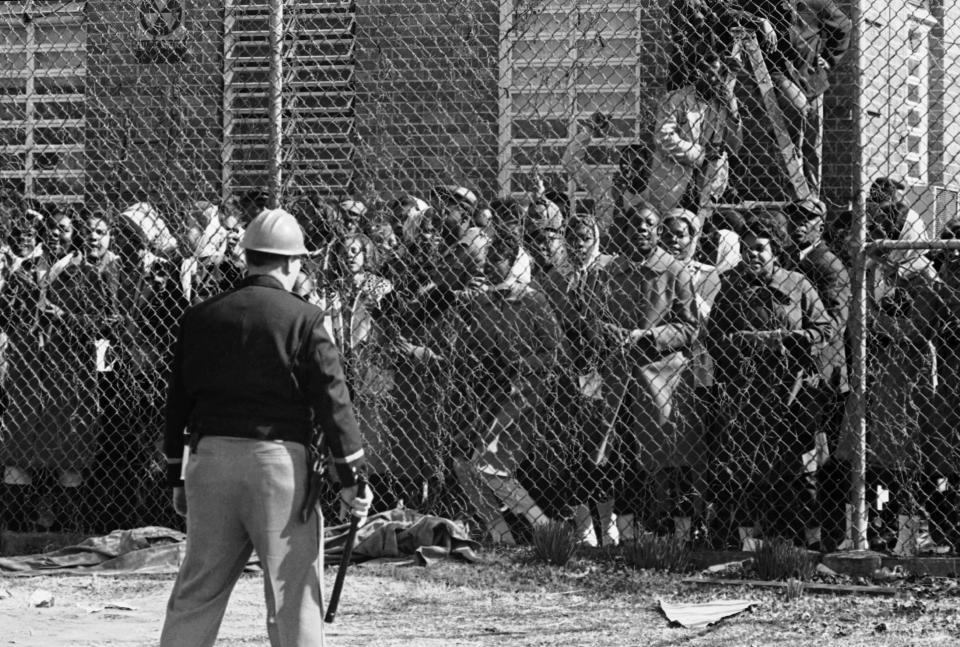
pixel 858 315
pixel 504 94
pixel 227 143
pixel 276 101
pixel 858 322
pixel 30 108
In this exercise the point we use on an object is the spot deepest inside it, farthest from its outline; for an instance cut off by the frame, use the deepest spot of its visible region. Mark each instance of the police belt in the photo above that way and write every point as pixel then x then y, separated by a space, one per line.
pixel 297 432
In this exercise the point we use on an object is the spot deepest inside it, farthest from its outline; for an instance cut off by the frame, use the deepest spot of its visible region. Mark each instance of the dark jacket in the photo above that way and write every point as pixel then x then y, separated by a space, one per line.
pixel 806 30
pixel 785 302
pixel 256 362
pixel 829 276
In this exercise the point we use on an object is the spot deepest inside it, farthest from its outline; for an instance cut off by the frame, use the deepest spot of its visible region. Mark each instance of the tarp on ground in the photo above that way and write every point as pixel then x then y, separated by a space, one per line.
pixel 397 536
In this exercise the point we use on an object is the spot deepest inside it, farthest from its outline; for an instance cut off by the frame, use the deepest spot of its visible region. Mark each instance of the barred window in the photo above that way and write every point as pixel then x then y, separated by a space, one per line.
pixel 318 64
pixel 558 65
pixel 42 86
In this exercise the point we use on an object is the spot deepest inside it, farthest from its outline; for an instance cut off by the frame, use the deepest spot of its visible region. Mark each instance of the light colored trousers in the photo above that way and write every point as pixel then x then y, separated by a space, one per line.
pixel 245 495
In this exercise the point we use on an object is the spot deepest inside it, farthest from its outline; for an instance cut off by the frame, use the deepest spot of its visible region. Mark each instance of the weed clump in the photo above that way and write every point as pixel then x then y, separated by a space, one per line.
pixel 555 542
pixel 667 553
pixel 779 559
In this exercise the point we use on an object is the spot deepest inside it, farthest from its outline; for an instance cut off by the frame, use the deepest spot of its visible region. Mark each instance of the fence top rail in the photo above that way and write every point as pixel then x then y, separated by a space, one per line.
pixel 878 245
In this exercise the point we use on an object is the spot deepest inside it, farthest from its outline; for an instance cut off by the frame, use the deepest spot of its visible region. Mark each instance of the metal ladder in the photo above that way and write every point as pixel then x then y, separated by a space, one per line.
pixel 318 95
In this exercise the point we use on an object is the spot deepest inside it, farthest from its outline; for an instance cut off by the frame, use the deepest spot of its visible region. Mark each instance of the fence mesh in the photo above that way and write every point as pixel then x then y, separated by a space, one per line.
pixel 604 262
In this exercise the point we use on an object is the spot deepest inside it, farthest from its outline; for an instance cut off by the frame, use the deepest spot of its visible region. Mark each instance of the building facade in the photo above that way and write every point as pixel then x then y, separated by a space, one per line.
pixel 119 101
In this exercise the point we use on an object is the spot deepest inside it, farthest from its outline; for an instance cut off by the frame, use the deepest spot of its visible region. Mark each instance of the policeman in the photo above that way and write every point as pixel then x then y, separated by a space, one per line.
pixel 253 374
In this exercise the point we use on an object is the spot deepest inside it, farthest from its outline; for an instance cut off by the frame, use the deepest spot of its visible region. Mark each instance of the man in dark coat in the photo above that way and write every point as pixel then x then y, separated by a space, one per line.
pixel 253 373
pixel 826 271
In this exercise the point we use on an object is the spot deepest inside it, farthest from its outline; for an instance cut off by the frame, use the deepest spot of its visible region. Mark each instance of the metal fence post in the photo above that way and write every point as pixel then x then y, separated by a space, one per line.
pixel 276 101
pixel 858 314
pixel 858 326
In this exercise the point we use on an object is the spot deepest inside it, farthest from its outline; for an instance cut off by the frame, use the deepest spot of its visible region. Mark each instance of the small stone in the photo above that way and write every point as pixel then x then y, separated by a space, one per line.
pixel 41 598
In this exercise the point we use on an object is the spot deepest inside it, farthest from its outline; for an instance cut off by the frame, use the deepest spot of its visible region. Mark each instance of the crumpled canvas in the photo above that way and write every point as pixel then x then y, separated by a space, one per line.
pixel 403 536
pixel 698 615
pixel 396 536
pixel 152 549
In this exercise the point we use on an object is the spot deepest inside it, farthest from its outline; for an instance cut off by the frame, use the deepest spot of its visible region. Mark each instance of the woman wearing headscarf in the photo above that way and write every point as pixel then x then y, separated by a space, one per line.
pixel 693 447
pixel 574 299
pixel 765 335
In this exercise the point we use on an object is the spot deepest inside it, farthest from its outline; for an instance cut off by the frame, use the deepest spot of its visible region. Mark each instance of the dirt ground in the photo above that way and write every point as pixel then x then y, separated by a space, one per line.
pixel 503 601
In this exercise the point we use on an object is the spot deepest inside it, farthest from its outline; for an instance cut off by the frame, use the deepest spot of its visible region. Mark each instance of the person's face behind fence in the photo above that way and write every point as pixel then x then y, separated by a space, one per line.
pixel 643 235
pixel 60 236
pixel 428 238
pixel 677 238
pixel 806 232
pixel 234 228
pixel 455 224
pixel 759 254
pixel 581 240
pixel 97 239
pixel 355 255
pixel 26 241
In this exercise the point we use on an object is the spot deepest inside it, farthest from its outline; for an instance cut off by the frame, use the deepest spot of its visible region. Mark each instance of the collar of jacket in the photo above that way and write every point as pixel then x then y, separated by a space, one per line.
pixel 781 281
pixel 262 280
pixel 658 262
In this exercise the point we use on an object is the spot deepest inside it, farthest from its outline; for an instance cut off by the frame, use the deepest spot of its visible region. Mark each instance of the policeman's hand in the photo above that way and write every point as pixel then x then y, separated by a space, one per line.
pixel 350 504
pixel 822 63
pixel 180 501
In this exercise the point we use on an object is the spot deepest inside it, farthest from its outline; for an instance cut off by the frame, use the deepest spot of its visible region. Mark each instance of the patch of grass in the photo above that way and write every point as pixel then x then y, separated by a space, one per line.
pixel 794 590
pixel 779 559
pixel 555 543
pixel 666 553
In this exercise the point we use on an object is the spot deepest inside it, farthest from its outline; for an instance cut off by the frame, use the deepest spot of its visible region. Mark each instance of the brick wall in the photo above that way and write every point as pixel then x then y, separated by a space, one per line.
pixel 841 141
pixel 153 117
pixel 427 109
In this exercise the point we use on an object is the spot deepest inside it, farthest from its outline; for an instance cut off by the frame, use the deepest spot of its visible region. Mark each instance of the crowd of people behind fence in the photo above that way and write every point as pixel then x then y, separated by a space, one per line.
pixel 637 362
pixel 515 361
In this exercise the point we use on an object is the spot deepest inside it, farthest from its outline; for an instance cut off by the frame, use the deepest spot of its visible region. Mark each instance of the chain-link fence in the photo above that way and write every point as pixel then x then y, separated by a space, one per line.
pixel 665 266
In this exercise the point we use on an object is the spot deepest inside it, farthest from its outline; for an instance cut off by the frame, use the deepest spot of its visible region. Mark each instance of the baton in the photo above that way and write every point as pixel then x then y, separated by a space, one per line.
pixel 345 558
